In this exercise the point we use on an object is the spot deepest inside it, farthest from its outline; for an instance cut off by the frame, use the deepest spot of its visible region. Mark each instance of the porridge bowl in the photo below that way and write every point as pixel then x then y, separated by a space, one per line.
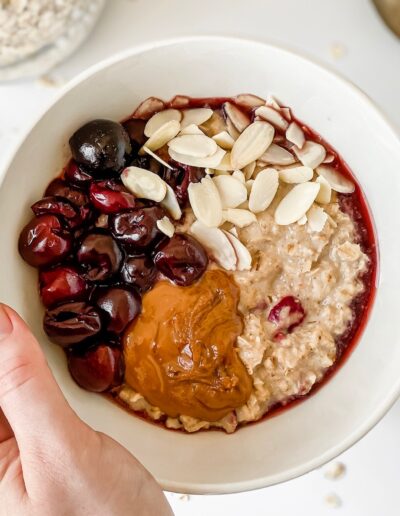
pixel 279 245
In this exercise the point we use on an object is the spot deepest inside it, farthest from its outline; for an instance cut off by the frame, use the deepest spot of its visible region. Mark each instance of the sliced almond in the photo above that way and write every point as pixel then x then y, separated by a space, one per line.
pixel 302 220
pixel 180 101
pixel 226 163
pixel 206 202
pixel 238 174
pixel 221 173
pixel 148 107
pixel 273 116
pixel 248 170
pixel 231 191
pixel 232 129
pixel 196 116
pixel 296 174
pixel 317 218
pixel 294 134
pixel 286 112
pixel 249 101
pixel 166 227
pixel 224 140
pixel 239 119
pixel 338 182
pixel 238 217
pixel 242 253
pixel 311 154
pixel 214 125
pixel 296 203
pixel 208 162
pixel 197 145
pixel 170 203
pixel 329 158
pixel 156 157
pixel 161 118
pixel 249 185
pixel 263 190
pixel 144 184
pixel 191 129
pixel 325 191
pixel 271 101
pixel 252 144
pixel 210 171
pixel 276 155
pixel 162 136
pixel 217 244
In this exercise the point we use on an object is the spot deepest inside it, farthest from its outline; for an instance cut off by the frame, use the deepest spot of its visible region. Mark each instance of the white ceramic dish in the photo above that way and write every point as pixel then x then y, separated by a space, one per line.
pixel 360 393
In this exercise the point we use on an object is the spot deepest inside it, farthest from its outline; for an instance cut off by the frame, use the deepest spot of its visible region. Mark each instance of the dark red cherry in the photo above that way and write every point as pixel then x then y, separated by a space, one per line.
pixel 99 256
pixel 119 307
pixel 137 229
pixel 60 188
pixel 135 129
pixel 182 259
pixel 60 285
pixel 75 175
pixel 107 197
pixel 100 145
pixel 71 323
pixel 97 369
pixel 140 272
pixel 44 242
pixel 58 206
pixel 287 314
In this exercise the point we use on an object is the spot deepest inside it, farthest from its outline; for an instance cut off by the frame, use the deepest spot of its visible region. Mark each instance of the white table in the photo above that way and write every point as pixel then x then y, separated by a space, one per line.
pixel 346 34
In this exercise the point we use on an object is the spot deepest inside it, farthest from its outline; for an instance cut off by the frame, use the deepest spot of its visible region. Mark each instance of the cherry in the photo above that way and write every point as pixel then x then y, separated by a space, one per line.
pixel 287 314
pixel 97 369
pixel 135 129
pixel 71 323
pixel 137 228
pixel 61 284
pixel 120 306
pixel 76 175
pixel 110 197
pixel 100 145
pixel 140 272
pixel 43 241
pixel 182 259
pixel 100 256
pixel 58 206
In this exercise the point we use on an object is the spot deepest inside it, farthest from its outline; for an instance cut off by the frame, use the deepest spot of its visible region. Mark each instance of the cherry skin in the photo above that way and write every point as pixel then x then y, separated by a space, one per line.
pixel 60 285
pixel 287 314
pixel 100 256
pixel 140 272
pixel 120 307
pixel 58 206
pixel 107 197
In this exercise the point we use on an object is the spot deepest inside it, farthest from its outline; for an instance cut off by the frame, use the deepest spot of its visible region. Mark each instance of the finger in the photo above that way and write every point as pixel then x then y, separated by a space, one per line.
pixel 29 395
pixel 5 428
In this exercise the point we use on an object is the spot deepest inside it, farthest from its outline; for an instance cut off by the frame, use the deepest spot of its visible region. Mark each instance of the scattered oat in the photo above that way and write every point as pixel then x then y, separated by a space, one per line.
pixel 338 50
pixel 333 500
pixel 335 471
pixel 184 497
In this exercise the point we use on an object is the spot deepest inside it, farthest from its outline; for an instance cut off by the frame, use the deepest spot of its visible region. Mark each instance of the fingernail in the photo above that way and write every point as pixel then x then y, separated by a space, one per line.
pixel 6 326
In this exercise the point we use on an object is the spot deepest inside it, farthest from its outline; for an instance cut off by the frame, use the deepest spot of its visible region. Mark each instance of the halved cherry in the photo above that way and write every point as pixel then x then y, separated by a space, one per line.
pixel 110 197
pixel 58 206
pixel 61 284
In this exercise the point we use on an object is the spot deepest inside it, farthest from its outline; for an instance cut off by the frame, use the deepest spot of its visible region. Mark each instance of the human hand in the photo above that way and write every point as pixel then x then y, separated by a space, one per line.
pixel 51 463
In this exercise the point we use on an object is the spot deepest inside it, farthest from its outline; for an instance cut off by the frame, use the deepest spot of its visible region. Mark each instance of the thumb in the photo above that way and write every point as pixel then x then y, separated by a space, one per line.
pixel 30 398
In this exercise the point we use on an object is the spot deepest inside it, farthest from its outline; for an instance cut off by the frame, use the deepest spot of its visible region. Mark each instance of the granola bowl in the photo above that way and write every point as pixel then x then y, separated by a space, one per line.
pixel 261 204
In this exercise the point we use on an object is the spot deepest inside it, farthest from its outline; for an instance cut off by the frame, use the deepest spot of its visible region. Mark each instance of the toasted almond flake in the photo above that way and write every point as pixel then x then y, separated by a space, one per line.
pixel 206 202
pixel 224 140
pixel 325 191
pixel 196 116
pixel 208 162
pixel 148 107
pixel 302 220
pixel 162 136
pixel 238 217
pixel 234 232
pixel 329 158
pixel 296 174
pixel 286 112
pixel 317 218
pixel 234 133
pixel 199 146
pixel 214 125
pixel 210 171
pixel 161 118
pixel 249 101
pixel 271 101
pixel 180 101
pixel 242 253
pixel 263 190
pixel 232 191
pixel 239 119
pixel 249 169
pixel 170 203
pixel 294 134
pixel 252 144
pixel 166 227
pixel 144 184
pixel 221 173
pixel 238 174
pixel 226 163
pixel 311 154
pixel 296 203
pixel 276 155
pixel 273 116
pixel 249 185
pixel 156 157
pixel 217 244
pixel 338 182
pixel 191 129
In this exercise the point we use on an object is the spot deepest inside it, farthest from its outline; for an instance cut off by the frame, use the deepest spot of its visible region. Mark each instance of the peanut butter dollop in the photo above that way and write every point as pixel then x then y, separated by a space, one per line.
pixel 180 353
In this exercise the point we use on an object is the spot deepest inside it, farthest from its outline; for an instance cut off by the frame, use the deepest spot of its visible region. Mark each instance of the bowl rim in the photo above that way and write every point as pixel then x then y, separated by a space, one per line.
pixel 392 396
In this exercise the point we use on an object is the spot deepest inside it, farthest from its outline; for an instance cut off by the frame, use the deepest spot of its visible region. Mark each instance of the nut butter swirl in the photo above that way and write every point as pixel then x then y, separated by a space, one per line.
pixel 180 353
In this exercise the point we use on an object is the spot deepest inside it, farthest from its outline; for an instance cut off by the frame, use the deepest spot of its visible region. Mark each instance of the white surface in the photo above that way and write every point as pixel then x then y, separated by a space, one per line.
pixel 370 57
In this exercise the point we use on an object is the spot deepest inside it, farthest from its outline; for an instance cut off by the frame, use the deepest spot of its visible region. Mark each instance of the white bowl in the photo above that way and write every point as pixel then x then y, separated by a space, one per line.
pixel 316 430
